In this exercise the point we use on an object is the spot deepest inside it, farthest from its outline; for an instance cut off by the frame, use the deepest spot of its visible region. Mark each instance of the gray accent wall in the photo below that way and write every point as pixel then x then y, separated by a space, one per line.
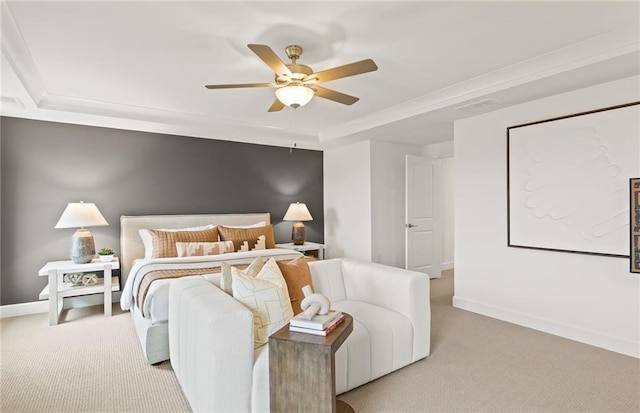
pixel 46 165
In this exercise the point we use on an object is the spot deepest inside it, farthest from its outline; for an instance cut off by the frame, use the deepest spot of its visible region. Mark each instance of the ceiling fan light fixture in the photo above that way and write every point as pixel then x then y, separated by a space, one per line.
pixel 294 95
pixel 296 84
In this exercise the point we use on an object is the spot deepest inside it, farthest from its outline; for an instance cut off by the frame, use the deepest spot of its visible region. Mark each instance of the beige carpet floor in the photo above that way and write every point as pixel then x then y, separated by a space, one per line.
pixel 90 363
pixel 479 364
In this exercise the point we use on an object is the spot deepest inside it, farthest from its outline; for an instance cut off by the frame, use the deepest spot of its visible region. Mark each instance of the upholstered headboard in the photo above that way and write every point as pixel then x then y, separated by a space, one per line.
pixel 131 244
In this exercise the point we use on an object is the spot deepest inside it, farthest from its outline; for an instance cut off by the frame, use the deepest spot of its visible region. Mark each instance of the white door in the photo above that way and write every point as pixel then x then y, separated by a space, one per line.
pixel 422 216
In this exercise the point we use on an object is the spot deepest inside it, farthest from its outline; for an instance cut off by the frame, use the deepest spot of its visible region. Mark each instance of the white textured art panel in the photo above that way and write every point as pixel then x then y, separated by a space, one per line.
pixel 568 181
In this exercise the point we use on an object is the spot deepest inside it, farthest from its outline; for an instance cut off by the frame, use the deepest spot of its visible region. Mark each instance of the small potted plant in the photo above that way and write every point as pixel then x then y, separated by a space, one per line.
pixel 105 254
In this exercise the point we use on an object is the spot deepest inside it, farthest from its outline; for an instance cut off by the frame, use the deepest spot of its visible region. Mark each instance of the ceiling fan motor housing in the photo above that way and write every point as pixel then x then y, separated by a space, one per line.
pixel 293 52
pixel 298 73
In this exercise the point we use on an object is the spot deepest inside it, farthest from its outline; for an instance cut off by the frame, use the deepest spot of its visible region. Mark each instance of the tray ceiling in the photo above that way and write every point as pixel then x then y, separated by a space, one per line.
pixel 143 65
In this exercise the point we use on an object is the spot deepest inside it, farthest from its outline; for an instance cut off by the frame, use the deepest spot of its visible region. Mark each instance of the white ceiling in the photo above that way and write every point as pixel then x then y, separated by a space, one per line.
pixel 143 65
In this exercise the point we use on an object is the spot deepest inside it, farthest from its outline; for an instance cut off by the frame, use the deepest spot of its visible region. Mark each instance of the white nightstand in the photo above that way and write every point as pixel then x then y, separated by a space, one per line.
pixel 306 248
pixel 57 290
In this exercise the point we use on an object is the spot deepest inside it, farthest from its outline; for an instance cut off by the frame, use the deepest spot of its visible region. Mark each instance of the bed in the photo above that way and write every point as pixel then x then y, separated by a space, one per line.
pixel 148 301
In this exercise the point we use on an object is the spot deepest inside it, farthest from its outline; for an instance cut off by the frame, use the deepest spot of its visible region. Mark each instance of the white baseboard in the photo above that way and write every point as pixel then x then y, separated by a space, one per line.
pixel 14 310
pixel 446 265
pixel 594 338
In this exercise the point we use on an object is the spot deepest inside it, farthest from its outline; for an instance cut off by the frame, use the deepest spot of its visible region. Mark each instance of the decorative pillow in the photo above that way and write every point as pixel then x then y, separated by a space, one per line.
pixel 297 274
pixel 240 235
pixel 252 271
pixel 257 224
pixel 147 240
pixel 198 249
pixel 266 296
pixel 164 242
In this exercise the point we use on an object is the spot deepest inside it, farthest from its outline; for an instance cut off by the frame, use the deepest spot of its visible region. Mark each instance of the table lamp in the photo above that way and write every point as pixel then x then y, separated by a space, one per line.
pixel 297 212
pixel 81 215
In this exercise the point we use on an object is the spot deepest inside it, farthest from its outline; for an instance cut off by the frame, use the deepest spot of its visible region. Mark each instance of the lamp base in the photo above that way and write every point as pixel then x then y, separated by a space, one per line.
pixel 297 233
pixel 83 248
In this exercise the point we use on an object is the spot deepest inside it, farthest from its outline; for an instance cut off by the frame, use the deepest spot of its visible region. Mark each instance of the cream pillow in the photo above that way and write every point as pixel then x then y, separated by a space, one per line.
pixel 147 239
pixel 199 249
pixel 226 279
pixel 266 296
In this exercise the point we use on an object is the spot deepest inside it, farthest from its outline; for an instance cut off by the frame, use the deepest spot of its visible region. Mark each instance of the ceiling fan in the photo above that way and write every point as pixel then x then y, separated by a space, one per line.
pixel 296 83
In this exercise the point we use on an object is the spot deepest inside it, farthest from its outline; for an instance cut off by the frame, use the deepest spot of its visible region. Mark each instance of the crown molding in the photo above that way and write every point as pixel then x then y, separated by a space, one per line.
pixel 215 126
pixel 18 56
pixel 71 109
pixel 614 44
pixel 208 130
pixel 52 106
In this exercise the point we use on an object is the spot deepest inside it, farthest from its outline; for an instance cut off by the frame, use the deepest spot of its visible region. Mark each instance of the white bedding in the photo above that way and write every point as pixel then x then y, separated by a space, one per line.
pixel 156 303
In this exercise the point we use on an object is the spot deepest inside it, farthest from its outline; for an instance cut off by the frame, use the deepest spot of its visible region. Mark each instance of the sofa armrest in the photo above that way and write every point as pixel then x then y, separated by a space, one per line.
pixel 403 291
pixel 211 346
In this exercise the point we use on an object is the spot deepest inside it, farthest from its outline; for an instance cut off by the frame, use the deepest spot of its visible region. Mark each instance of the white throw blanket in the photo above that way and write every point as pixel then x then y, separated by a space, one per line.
pixel 142 267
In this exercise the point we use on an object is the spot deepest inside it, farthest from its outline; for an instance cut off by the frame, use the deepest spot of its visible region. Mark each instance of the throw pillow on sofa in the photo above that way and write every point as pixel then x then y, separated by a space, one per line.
pixel 297 274
pixel 266 296
pixel 226 279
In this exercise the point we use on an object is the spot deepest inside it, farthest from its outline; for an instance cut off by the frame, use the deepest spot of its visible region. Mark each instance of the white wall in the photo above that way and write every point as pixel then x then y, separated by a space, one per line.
pixel 388 201
pixel 438 150
pixel 444 153
pixel 347 201
pixel 592 299
pixel 447 190
pixel 366 180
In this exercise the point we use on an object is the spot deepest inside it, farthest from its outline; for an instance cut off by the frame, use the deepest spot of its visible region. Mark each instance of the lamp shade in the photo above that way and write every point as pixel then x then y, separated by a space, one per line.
pixel 294 95
pixel 298 212
pixel 81 214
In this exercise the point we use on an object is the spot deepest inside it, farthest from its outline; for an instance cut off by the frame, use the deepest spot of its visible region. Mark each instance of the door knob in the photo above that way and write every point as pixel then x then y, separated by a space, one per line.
pixel 410 225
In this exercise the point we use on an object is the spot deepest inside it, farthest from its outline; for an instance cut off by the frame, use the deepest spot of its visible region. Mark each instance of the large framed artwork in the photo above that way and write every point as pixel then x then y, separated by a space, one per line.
pixel 568 179
pixel 634 207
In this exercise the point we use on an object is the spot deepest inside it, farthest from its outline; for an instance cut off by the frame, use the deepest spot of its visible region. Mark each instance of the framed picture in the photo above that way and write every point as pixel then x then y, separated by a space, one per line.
pixel 567 181
pixel 634 207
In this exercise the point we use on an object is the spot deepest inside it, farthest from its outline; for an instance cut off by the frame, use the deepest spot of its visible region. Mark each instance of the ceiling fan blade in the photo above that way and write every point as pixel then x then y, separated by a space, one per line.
pixel 231 86
pixel 323 92
pixel 276 106
pixel 272 60
pixel 339 72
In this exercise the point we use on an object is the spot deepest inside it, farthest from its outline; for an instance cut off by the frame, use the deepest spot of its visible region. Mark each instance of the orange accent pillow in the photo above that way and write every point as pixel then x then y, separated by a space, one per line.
pixel 297 274
pixel 164 242
pixel 239 235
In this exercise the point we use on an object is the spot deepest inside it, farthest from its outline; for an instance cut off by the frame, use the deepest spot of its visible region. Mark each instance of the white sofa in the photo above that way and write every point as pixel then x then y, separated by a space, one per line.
pixel 211 334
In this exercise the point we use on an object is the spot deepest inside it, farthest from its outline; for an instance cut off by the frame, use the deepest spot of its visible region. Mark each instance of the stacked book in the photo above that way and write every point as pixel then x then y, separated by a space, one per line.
pixel 320 325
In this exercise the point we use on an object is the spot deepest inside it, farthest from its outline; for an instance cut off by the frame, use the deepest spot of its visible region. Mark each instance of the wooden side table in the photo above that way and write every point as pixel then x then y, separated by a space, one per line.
pixel 302 374
pixel 56 290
